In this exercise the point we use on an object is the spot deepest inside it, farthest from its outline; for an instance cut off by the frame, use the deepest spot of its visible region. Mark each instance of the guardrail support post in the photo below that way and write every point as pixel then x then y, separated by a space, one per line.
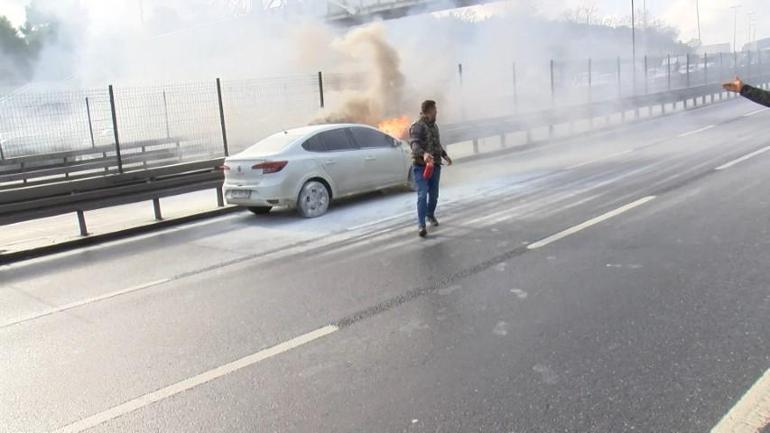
pixel 502 140
pixel 82 223
pixel 222 117
pixel 669 72
pixel 115 129
pixel 156 208
pixel 220 197
pixel 475 145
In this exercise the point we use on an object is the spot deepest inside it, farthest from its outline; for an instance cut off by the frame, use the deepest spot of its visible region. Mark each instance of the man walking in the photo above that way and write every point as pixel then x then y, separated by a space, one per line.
pixel 427 149
pixel 751 93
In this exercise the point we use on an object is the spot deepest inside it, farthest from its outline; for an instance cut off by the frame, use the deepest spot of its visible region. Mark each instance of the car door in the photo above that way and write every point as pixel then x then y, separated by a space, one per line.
pixel 383 160
pixel 341 159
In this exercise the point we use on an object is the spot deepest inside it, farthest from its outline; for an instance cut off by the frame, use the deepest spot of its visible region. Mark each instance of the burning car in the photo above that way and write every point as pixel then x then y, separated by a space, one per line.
pixel 306 168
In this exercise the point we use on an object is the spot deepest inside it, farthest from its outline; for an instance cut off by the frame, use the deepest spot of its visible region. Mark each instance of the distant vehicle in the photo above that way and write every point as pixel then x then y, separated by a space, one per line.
pixel 305 168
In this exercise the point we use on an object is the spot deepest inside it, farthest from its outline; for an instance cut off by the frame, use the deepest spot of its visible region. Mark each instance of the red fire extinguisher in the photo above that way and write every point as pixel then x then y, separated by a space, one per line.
pixel 428 172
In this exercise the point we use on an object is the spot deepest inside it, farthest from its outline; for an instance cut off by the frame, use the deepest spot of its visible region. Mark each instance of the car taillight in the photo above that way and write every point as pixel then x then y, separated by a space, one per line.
pixel 224 167
pixel 270 166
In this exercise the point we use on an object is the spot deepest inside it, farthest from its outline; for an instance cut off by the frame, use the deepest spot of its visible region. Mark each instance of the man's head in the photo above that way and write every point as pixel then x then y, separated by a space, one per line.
pixel 428 110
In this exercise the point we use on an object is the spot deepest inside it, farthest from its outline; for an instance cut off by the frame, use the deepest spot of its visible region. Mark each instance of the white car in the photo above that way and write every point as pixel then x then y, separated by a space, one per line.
pixel 308 167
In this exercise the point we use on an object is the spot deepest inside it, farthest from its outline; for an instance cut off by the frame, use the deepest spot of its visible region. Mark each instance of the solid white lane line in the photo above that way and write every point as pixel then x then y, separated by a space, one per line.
pixel 192 382
pixel 87 301
pixel 592 222
pixel 752 412
pixel 583 164
pixel 127 240
pixel 697 131
pixel 743 158
pixel 749 114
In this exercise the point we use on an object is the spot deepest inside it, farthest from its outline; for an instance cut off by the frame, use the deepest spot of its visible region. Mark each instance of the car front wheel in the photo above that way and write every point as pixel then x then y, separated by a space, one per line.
pixel 313 200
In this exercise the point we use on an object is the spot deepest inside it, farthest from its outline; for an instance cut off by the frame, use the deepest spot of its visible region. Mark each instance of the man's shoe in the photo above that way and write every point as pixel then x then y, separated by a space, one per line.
pixel 433 221
pixel 423 232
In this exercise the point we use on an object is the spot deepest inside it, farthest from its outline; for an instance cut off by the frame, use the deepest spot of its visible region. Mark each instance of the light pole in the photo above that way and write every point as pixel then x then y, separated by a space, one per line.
pixel 735 28
pixel 633 43
pixel 697 13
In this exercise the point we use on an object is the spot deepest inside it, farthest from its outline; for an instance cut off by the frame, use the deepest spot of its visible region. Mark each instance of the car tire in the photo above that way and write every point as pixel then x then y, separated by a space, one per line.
pixel 313 200
pixel 260 210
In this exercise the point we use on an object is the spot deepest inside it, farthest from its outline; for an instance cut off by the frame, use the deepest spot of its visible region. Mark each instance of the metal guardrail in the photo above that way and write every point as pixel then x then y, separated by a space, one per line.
pixel 81 194
pixel 32 202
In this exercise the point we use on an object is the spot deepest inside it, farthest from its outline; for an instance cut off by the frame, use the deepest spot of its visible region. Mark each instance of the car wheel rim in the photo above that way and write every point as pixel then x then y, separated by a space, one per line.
pixel 315 199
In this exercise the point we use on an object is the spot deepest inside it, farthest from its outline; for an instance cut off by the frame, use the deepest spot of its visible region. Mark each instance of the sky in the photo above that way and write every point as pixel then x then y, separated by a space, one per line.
pixel 717 19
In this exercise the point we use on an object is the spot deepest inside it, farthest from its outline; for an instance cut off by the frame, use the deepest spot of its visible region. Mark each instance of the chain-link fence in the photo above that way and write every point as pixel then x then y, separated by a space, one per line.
pixel 191 116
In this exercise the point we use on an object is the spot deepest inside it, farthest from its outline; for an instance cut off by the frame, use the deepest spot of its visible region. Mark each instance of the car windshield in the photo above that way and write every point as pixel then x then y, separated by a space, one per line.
pixel 272 144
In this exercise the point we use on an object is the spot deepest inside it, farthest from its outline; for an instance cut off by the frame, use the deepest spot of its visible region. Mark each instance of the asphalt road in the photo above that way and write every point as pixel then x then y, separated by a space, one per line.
pixel 609 283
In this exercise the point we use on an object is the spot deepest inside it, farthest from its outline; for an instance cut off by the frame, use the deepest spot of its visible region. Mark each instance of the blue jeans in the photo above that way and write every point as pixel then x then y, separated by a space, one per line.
pixel 427 192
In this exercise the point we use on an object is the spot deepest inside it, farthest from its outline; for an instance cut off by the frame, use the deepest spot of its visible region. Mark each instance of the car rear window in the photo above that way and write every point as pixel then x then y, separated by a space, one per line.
pixel 272 144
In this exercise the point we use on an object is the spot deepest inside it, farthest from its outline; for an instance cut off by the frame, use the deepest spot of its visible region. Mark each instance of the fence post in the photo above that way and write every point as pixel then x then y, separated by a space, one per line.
pixel 688 70
pixel 620 91
pixel 90 124
pixel 669 72
pixel 321 87
pixel 590 92
pixel 553 97
pixel 748 64
pixel 462 92
pixel 222 117
pixel 115 129
pixel 721 73
pixel 515 91
pixel 646 76
pixel 165 113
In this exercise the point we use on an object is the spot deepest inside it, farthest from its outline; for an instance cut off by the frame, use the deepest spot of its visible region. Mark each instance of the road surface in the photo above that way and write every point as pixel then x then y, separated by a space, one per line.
pixel 608 283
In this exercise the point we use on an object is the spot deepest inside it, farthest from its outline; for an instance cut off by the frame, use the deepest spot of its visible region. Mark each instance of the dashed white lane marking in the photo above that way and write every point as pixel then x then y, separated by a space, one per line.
pixel 192 382
pixel 583 164
pixel 697 131
pixel 592 222
pixel 752 412
pixel 749 114
pixel 82 302
pixel 743 158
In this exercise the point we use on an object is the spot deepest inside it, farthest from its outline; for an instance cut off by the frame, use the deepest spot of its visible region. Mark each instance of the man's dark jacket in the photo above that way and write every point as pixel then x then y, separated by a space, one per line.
pixel 757 95
pixel 424 138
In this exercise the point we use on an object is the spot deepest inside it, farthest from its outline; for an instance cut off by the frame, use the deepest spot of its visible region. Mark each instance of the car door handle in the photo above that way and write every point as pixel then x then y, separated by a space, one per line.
pixel 330 162
pixel 370 158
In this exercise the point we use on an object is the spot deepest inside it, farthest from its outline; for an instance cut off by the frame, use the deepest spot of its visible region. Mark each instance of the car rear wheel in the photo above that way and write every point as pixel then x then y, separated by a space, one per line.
pixel 313 200
pixel 260 210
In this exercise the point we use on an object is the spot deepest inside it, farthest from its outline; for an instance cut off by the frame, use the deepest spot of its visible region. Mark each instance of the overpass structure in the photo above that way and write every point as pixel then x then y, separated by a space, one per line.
pixel 352 12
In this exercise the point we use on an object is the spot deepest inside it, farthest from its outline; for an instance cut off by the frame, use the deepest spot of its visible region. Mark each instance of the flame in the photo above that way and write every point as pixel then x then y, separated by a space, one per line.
pixel 397 127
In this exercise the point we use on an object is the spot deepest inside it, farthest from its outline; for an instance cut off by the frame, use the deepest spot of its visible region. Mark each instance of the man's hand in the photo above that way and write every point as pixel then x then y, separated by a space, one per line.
pixel 427 157
pixel 734 86
pixel 448 160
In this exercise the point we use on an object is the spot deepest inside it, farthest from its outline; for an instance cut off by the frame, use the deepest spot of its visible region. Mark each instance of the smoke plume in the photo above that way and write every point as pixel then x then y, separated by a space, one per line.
pixel 383 92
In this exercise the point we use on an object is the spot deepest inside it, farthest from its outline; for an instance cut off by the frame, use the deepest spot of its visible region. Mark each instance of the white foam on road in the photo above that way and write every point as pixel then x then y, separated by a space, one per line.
pixel 752 412
pixel 592 222
pixel 743 158
pixel 604 158
pixel 192 382
pixel 697 131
